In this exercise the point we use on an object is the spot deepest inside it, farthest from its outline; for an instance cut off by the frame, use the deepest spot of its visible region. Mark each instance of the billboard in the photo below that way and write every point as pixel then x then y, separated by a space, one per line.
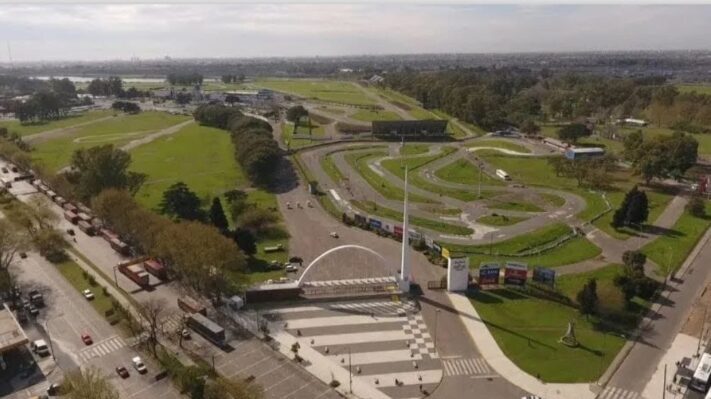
pixel 429 243
pixel 359 219
pixel 445 253
pixel 397 231
pixel 375 223
pixel 515 273
pixel 457 274
pixel 414 235
pixel 489 273
pixel 544 275
pixel 436 247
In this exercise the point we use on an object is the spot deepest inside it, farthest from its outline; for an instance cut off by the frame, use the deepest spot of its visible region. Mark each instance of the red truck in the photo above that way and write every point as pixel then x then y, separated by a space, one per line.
pixel 155 268
pixel 189 305
pixel 135 273
pixel 86 227
pixel 71 217
pixel 119 246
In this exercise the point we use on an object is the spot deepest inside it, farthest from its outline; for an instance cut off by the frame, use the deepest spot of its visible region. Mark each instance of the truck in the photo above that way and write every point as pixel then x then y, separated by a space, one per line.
pixel 86 227
pixel 207 328
pixel 155 268
pixel 190 305
pixel 71 217
pixel 119 246
pixel 51 194
pixel 136 274
pixel 7 183
pixel 502 174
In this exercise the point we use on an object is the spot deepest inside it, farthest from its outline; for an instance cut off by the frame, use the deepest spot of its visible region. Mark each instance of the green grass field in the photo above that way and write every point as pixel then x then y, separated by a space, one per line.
pixel 465 172
pixel 368 115
pixel 512 205
pixel 505 144
pixel 699 89
pixel 434 225
pixel 56 153
pixel 500 220
pixel 414 149
pixel 321 90
pixel 202 157
pixel 670 250
pixel 527 330
pixel 15 126
pixel 303 131
pixel 657 204
pixel 397 166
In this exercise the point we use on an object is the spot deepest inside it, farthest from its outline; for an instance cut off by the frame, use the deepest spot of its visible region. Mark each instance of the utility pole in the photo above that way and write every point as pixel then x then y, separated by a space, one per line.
pixel 479 193
pixel 350 372
pixel 49 338
pixel 435 326
pixel 115 279
pixel 664 386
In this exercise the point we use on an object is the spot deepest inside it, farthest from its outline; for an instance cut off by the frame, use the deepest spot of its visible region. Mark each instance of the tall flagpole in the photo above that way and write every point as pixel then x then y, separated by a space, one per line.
pixel 405 258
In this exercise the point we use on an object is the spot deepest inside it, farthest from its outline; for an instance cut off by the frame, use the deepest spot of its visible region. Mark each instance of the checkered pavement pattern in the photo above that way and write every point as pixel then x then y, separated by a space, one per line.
pixel 421 344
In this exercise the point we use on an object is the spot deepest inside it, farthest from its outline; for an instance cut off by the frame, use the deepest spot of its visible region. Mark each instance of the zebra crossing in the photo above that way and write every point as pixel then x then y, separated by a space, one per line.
pixel 473 366
pixel 377 307
pixel 102 348
pixel 618 393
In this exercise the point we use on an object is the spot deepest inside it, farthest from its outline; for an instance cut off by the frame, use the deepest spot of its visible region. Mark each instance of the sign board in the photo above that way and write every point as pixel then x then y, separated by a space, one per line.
pixel 397 231
pixel 375 223
pixel 544 275
pixel 429 243
pixel 313 188
pixel 489 273
pixel 457 274
pixel 360 219
pixel 515 273
pixel 437 248
pixel 414 235
pixel 388 227
pixel 445 253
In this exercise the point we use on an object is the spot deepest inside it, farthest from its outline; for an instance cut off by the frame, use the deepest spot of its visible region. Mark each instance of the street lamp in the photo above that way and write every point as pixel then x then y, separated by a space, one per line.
pixel 115 279
pixel 49 336
pixel 435 327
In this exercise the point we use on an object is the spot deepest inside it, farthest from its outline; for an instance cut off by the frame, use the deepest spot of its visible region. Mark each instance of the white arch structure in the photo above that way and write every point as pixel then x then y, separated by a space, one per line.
pixel 332 250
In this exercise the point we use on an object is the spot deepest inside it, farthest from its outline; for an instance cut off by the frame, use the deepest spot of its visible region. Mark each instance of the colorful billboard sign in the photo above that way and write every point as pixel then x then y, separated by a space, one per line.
pixel 375 223
pixel 489 273
pixel 437 248
pixel 515 273
pixel 544 275
pixel 397 231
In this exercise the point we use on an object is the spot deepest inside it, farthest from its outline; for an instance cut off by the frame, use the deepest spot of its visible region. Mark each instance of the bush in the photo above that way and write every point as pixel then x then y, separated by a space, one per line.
pixel 334 384
pixel 92 281
pixel 696 207
pixel 84 274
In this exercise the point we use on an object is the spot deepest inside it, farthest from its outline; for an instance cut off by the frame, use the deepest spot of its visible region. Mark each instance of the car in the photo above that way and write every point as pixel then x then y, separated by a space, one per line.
pixel 333 234
pixel 88 294
pixel 291 268
pixel 36 298
pixel 23 255
pixel 4 170
pixel 531 397
pixel 70 232
pixel 288 205
pixel 86 338
pixel 185 333
pixel 34 312
pixel 122 372
pixel 298 205
pixel 21 316
pixel 53 389
pixel 309 204
pixel 40 347
pixel 138 365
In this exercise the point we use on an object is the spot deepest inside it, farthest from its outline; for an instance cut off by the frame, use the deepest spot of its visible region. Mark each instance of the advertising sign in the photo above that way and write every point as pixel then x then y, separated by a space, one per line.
pixel 436 247
pixel 414 235
pixel 489 273
pixel 445 253
pixel 458 274
pixel 360 219
pixel 375 223
pixel 544 275
pixel 397 231
pixel 515 273
pixel 429 243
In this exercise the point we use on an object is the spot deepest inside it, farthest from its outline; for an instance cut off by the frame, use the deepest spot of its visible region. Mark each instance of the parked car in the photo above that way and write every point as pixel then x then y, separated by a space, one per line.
pixel 70 232
pixel 53 389
pixel 86 338
pixel 34 312
pixel 333 234
pixel 138 365
pixel 36 298
pixel 40 347
pixel 185 333
pixel 88 294
pixel 291 268
pixel 122 372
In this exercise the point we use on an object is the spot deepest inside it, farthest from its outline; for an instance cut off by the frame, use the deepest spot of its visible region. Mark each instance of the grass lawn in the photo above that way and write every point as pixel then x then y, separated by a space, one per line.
pixel 505 144
pixel 287 130
pixel 406 103
pixel 368 115
pixel 699 89
pixel 323 90
pixel 56 153
pixel 414 149
pixel 435 225
pixel 574 250
pixel 500 220
pixel 397 166
pixel 512 205
pixel 202 157
pixel 331 170
pixel 657 203
pixel 32 128
pixel 670 250
pixel 465 172
pixel 359 162
pixel 527 330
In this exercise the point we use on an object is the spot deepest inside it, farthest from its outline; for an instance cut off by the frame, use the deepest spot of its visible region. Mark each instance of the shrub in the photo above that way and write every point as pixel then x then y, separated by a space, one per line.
pixel 696 207
pixel 92 281
pixel 334 384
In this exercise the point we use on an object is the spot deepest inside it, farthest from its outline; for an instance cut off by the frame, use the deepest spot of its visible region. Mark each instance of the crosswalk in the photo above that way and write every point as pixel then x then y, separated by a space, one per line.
pixel 377 307
pixel 102 348
pixel 618 393
pixel 474 366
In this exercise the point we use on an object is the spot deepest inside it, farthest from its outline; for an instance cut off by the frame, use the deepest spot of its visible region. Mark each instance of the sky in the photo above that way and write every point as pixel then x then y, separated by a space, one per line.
pixel 103 32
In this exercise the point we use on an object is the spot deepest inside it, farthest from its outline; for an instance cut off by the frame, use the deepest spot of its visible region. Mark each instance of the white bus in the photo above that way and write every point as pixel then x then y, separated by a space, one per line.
pixel 502 174
pixel 700 381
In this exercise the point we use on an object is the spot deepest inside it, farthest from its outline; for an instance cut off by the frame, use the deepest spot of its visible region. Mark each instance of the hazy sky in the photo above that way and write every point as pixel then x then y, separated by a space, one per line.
pixel 95 32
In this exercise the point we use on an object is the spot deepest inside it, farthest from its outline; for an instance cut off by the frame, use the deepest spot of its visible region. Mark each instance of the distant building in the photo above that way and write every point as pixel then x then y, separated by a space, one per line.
pixel 254 98
pixel 414 128
pixel 633 122
pixel 555 143
pixel 376 79
pixel 584 153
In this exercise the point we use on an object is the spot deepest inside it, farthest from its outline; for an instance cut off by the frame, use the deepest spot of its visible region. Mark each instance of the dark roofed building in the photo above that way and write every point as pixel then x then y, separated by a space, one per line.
pixel 431 127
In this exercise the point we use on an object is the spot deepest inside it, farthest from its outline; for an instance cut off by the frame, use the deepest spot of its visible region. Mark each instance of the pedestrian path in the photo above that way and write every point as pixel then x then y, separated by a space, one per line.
pixel 102 348
pixel 473 366
pixel 618 393
pixel 385 344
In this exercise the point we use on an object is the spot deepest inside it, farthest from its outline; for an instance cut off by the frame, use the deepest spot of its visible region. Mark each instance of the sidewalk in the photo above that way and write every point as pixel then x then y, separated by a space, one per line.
pixel 683 346
pixel 490 350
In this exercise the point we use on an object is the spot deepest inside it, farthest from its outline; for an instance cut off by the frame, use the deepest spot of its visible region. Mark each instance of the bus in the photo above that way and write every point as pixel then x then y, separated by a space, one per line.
pixel 502 174
pixel 700 380
pixel 207 328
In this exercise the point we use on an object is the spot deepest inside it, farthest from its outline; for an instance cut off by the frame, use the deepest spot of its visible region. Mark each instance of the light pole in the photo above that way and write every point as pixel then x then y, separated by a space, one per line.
pixel 350 372
pixel 701 333
pixel 435 327
pixel 49 338
pixel 115 279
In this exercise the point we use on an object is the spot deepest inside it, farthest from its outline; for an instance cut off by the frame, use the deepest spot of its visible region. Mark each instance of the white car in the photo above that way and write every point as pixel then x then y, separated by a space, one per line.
pixel 291 268
pixel 88 294
pixel 40 347
pixel 333 234
pixel 288 205
pixel 138 365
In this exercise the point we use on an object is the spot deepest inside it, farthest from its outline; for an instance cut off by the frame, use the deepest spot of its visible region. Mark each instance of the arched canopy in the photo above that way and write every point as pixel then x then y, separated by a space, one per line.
pixel 336 249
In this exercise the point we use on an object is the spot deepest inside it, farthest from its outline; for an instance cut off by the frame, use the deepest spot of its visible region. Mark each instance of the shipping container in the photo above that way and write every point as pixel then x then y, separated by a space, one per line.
pixel 135 273
pixel 155 268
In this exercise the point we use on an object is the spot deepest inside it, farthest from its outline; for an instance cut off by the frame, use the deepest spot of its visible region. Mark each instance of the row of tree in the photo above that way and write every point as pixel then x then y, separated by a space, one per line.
pixel 233 78
pixel 111 86
pixel 661 156
pixel 128 107
pixel 592 172
pixel 184 78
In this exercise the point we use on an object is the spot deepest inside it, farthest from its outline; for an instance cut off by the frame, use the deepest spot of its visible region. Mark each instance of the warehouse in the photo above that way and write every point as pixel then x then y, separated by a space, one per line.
pixel 584 153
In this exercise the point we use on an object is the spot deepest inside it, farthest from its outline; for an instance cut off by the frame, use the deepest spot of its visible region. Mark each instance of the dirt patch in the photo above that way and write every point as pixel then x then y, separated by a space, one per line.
pixel 692 325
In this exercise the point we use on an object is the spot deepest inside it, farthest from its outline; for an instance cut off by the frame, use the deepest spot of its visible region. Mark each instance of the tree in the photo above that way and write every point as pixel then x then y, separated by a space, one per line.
pixel 257 220
pixel 89 383
pixel 696 206
pixel 634 261
pixel 638 209
pixel 153 311
pixel 632 145
pixel 217 215
pixel 98 168
pixel 128 107
pixel 12 242
pixel 530 128
pixel 181 203
pixel 245 241
pixel 237 201
pixel 572 132
pixel 295 113
pixel 587 297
